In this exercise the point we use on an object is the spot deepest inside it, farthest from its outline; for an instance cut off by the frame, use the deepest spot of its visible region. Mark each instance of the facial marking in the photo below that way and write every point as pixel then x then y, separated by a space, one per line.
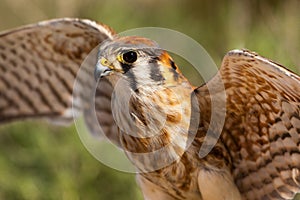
pixel 165 59
pixel 155 73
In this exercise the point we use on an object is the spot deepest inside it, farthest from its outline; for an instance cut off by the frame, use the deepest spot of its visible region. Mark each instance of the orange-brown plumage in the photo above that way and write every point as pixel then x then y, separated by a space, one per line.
pixel 256 156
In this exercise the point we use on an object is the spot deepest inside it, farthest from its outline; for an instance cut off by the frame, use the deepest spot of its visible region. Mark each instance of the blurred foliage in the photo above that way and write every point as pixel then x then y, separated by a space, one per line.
pixel 39 161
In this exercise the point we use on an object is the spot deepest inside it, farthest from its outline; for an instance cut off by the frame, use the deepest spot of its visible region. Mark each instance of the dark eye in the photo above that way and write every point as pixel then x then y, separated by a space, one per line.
pixel 130 57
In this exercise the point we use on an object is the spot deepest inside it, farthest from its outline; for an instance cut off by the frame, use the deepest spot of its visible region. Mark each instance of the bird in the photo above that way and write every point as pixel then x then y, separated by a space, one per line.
pixel 147 107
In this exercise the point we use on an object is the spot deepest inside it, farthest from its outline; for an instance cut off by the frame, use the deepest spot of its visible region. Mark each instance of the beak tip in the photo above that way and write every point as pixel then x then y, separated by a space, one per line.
pixel 97 73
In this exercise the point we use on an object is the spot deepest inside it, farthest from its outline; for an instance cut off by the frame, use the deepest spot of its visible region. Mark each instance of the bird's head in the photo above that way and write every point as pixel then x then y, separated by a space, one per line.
pixel 158 104
pixel 139 60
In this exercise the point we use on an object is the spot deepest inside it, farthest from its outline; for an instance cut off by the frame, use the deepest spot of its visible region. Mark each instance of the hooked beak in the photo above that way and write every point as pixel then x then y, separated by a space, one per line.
pixel 101 70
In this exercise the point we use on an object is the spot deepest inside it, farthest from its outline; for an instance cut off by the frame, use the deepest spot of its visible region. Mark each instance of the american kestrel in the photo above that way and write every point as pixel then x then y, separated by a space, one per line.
pixel 257 155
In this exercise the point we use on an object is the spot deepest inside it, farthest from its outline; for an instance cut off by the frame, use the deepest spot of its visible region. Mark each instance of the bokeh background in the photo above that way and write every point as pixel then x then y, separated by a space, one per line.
pixel 41 161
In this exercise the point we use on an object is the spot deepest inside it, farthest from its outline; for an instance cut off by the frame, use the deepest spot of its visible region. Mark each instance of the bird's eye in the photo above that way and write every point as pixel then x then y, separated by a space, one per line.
pixel 129 57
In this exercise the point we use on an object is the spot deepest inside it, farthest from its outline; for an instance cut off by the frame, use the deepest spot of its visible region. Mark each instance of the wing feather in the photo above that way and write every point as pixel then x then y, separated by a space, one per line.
pixel 262 127
pixel 39 64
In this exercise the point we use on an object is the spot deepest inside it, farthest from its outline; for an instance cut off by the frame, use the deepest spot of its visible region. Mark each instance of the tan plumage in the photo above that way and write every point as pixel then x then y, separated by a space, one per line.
pixel 256 157
pixel 39 64
pixel 261 134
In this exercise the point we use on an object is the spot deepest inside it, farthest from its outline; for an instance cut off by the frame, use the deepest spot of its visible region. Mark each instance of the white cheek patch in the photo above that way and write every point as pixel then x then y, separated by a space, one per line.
pixel 142 74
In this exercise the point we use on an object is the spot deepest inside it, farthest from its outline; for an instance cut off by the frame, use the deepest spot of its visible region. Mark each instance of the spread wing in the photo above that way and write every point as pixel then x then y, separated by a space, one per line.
pixel 39 64
pixel 262 125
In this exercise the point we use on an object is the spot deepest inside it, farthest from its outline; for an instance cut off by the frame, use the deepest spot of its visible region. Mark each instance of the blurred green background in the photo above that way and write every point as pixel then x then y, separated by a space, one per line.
pixel 40 161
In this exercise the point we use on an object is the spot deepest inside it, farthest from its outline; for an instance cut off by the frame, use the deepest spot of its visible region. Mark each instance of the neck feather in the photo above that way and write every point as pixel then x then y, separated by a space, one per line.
pixel 159 120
